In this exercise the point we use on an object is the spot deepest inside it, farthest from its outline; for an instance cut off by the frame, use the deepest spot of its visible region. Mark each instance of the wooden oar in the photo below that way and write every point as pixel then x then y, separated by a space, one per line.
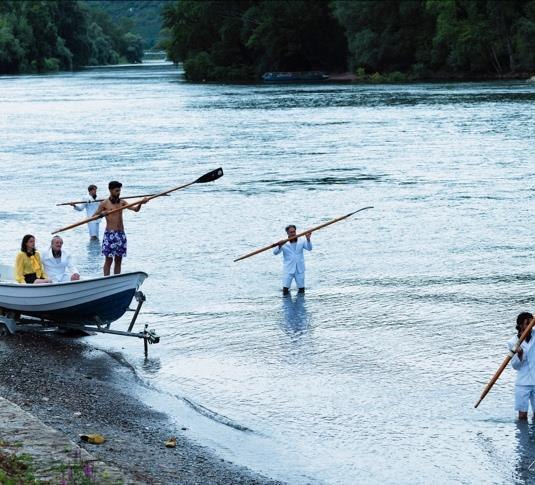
pixel 506 361
pixel 300 234
pixel 100 200
pixel 207 177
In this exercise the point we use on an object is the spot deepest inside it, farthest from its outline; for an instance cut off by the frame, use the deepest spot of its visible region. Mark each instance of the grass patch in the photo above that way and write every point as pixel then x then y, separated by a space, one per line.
pixel 80 472
pixel 18 469
pixel 15 469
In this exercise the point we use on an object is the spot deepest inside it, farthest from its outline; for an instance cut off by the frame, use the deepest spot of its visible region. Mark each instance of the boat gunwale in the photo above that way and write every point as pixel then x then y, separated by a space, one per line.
pixel 15 284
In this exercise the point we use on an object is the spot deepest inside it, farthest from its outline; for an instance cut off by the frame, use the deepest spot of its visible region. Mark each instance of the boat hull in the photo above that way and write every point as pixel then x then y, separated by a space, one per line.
pixel 95 300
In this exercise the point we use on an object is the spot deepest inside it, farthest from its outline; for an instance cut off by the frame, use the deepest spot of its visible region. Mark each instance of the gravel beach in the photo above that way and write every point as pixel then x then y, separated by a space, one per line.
pixel 56 379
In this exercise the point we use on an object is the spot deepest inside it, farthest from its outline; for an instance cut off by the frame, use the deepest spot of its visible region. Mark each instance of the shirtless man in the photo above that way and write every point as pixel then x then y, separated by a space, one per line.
pixel 114 240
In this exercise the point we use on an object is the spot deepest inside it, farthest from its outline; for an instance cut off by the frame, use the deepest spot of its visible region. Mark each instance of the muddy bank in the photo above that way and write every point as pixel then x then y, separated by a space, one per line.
pixel 70 387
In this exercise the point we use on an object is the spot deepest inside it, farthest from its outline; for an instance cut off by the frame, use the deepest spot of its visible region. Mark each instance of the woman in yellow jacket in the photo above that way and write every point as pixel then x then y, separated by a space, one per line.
pixel 28 265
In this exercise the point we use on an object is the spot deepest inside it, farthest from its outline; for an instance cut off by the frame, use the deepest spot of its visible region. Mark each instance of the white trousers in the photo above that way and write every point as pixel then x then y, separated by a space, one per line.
pixel 93 228
pixel 288 277
pixel 524 395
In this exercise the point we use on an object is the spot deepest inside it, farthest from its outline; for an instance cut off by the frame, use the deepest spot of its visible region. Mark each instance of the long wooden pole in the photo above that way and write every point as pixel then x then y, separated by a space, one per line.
pixel 506 361
pixel 100 200
pixel 321 226
pixel 208 177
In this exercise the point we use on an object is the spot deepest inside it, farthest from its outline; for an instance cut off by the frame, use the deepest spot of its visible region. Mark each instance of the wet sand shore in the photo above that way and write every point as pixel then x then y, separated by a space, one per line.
pixel 70 387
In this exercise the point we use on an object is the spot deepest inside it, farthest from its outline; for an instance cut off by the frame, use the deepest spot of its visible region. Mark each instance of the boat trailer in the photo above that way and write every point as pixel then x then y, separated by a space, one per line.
pixel 12 322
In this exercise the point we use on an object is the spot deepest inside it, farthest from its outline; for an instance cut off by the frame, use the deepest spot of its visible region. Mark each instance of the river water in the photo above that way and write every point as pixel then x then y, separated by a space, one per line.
pixel 372 376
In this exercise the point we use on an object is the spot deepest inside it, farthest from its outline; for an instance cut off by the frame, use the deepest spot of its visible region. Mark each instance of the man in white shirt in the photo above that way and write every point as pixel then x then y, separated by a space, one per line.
pixel 524 363
pixel 90 205
pixel 59 265
pixel 293 260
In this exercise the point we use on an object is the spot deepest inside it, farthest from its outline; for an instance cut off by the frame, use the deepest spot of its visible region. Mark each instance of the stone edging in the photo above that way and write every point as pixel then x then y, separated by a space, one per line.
pixel 48 447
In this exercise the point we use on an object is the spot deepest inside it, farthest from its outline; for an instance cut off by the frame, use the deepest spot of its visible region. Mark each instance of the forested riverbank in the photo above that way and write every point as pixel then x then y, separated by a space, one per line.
pixel 378 40
pixel 239 40
pixel 44 36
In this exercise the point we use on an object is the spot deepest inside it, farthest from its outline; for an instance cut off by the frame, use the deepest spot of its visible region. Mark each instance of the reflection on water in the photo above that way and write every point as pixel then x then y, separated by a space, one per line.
pixel 94 249
pixel 525 455
pixel 296 318
pixel 151 365
pixel 93 261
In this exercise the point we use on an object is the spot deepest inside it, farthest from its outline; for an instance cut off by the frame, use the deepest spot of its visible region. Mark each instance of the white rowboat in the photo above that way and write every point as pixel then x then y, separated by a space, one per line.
pixel 102 299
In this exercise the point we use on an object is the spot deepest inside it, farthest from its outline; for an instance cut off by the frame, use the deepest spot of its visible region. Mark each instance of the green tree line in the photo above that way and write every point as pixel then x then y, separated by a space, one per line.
pixel 141 17
pixel 238 40
pixel 41 36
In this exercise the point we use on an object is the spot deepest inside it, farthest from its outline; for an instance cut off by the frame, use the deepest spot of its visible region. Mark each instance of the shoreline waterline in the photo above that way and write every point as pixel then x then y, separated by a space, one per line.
pixel 81 390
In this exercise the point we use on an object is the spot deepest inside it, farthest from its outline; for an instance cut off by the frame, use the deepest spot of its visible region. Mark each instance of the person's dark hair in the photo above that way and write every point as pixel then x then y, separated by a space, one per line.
pixel 289 226
pixel 114 185
pixel 23 248
pixel 91 187
pixel 521 319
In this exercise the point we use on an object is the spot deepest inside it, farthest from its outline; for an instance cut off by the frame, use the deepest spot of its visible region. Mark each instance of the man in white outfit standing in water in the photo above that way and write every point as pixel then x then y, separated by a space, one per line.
pixel 90 205
pixel 293 260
